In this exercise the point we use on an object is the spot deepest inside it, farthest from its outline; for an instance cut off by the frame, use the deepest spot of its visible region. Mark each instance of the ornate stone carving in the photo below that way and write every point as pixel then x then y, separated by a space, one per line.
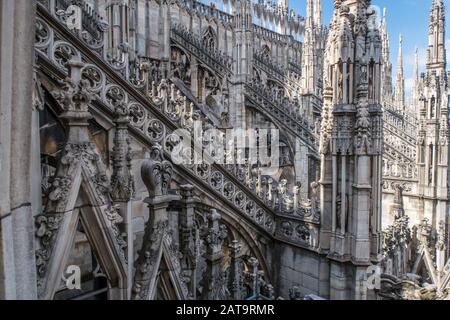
pixel 63 53
pixel 215 233
pixel 72 17
pixel 442 238
pixel 215 283
pixel 112 214
pixel 157 172
pixel 46 229
pixel 425 235
pixel 147 261
pixel 236 277
pixel 363 143
pixel 122 181
pixel 397 235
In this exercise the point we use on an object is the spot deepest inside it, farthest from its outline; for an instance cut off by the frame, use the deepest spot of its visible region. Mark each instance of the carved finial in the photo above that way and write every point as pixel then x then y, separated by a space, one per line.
pixel 74 95
pixel 157 172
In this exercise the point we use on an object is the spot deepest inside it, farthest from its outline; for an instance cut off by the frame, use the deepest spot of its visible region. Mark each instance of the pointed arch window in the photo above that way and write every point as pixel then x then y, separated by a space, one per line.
pixel 210 39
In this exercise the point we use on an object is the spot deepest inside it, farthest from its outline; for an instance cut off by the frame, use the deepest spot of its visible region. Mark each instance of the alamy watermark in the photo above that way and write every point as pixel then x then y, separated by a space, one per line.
pixel 72 277
pixel 373 281
pixel 233 147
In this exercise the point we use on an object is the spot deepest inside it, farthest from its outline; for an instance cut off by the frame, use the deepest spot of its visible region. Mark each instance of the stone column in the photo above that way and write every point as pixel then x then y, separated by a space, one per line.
pixel 243 62
pixel 35 168
pixel 236 270
pixel 145 282
pixel 122 182
pixel 187 240
pixel 302 167
pixel 17 261
pixel 194 77
pixel 326 174
pixel 164 37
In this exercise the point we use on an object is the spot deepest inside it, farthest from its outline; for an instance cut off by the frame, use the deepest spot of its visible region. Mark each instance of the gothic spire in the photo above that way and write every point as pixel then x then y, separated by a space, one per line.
pixel 311 37
pixel 310 14
pixel 283 13
pixel 314 13
pixel 385 36
pixel 436 57
pixel 415 93
pixel 386 76
pixel 416 67
pixel 283 3
pixel 400 86
pixel 318 13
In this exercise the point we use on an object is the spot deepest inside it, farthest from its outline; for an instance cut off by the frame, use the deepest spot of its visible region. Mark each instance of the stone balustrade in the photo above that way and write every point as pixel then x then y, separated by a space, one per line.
pixel 289 113
pixel 216 59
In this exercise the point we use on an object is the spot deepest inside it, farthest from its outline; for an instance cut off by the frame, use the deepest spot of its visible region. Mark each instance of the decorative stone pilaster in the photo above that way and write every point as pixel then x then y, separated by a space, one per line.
pixel 118 39
pixel 236 280
pixel 397 239
pixel 253 278
pixel 187 235
pixel 122 181
pixel 215 280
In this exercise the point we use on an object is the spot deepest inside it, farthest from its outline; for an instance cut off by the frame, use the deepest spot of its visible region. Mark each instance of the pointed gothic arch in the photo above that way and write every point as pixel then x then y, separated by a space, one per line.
pixel 209 39
pixel 424 265
pixel 100 220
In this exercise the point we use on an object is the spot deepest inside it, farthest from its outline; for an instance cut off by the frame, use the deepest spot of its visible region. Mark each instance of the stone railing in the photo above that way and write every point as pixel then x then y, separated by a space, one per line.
pixel 274 195
pixel 400 170
pixel 289 114
pixel 93 24
pixel 397 129
pixel 295 67
pixel 157 109
pixel 404 125
pixel 278 68
pixel 210 10
pixel 206 10
pixel 400 137
pixel 397 147
pixel 217 60
pixel 276 37
pixel 277 71
pixel 90 28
